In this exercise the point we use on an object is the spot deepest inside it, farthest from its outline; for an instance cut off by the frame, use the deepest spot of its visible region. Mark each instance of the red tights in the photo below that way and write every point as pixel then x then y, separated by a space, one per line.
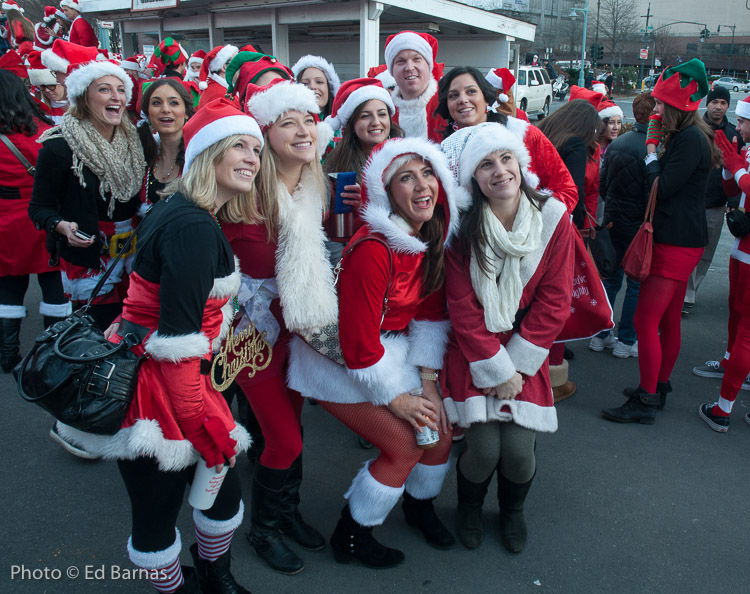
pixel 657 323
pixel 394 438
pixel 738 346
pixel 279 413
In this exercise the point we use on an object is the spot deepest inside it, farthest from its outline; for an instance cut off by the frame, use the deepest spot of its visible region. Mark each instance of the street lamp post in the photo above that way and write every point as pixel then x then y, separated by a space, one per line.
pixel 585 11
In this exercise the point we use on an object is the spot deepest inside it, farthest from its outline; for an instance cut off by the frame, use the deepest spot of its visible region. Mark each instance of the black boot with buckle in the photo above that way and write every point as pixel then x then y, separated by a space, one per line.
pixel 290 521
pixel 351 540
pixel 420 513
pixel 662 388
pixel 215 577
pixel 640 408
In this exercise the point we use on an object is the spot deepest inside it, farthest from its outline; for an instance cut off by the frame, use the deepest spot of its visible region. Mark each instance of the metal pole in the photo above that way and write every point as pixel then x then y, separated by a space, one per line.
pixel 731 49
pixel 596 36
pixel 645 37
pixel 583 43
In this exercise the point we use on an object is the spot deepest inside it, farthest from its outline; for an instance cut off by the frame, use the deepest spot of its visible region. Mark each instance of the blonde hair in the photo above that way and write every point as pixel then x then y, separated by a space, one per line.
pixel 269 185
pixel 199 185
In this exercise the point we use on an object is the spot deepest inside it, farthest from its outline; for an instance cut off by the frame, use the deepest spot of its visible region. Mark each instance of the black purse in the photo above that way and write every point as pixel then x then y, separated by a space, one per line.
pixel 601 249
pixel 77 375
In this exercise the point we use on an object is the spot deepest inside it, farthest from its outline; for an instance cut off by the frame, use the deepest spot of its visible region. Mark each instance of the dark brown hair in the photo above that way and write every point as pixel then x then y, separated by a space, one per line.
pixel 326 111
pixel 14 16
pixel 576 119
pixel 488 91
pixel 675 120
pixel 150 148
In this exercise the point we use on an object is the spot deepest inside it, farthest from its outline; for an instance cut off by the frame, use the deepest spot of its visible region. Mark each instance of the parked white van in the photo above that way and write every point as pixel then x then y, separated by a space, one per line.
pixel 533 91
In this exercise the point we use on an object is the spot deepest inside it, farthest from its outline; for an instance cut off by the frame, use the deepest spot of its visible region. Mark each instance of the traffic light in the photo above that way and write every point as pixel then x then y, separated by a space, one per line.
pixel 599 52
pixel 705 34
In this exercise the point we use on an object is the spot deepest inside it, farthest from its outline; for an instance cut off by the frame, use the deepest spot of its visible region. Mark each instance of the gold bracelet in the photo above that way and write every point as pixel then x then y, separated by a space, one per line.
pixel 430 377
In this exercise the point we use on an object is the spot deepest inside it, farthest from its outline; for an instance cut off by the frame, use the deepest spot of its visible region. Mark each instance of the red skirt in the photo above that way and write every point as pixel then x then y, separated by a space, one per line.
pixel 22 247
pixel 674 262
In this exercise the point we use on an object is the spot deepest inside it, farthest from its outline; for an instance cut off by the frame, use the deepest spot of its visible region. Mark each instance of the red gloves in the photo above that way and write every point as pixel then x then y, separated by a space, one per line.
pixel 210 438
pixel 655 132
pixel 732 161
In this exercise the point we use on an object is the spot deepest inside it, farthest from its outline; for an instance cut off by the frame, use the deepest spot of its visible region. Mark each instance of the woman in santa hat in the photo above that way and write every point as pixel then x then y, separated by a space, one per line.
pixel 51 94
pixel 81 32
pixel 464 99
pixel 213 83
pixel 44 34
pixel 18 29
pixel 503 80
pixel 318 75
pixel 279 241
pixel 393 328
pixel 508 281
pixel 22 247
pixel 194 66
pixel 180 299
pixel 680 233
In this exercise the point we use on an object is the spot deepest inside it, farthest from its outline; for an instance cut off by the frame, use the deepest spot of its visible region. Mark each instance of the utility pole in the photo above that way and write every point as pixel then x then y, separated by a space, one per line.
pixel 647 16
pixel 731 48
pixel 596 36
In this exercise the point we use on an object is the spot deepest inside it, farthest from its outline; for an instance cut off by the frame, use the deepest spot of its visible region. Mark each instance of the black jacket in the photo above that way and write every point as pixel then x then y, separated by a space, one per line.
pixel 680 215
pixel 574 155
pixel 58 195
pixel 623 185
pixel 715 195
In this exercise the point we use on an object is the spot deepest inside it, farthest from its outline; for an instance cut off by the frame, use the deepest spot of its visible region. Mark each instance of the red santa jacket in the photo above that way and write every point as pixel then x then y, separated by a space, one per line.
pixel 477 358
pixel 214 90
pixel 732 186
pixel 82 33
pixel 591 187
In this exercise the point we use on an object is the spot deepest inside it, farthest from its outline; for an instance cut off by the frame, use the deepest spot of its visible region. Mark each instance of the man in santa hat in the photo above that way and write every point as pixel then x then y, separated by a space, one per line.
pixel 412 61
pixel 213 83
pixel 81 32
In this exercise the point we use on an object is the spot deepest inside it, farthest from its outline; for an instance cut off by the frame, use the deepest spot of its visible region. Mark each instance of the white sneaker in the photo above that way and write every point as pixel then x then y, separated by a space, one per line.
pixel 599 344
pixel 623 351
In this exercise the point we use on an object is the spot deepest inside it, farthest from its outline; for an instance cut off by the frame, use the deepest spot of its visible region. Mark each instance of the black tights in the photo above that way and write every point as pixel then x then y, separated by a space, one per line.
pixel 13 288
pixel 156 498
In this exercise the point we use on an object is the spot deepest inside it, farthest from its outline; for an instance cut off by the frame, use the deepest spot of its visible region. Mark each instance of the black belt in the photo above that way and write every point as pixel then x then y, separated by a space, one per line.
pixel 136 331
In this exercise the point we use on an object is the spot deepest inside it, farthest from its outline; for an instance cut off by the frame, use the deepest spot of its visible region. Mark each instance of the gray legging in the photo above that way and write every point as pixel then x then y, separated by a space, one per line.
pixel 507 443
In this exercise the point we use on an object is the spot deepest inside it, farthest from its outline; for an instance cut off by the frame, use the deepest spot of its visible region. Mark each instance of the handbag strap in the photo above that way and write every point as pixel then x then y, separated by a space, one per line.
pixel 651 206
pixel 30 169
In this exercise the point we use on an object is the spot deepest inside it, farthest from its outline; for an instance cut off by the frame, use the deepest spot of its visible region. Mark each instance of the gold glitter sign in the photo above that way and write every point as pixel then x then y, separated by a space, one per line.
pixel 247 350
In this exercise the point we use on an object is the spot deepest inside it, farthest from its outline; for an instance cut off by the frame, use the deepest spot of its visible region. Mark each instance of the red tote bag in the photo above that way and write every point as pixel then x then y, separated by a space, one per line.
pixel 637 259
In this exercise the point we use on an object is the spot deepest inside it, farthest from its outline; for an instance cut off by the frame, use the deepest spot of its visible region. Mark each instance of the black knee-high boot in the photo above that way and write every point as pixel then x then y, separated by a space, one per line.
pixel 469 512
pixel 290 521
pixel 511 496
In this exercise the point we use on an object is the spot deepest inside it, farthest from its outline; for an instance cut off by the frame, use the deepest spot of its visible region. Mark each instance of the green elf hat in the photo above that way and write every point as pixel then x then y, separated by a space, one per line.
pixel 682 86
pixel 261 63
pixel 170 52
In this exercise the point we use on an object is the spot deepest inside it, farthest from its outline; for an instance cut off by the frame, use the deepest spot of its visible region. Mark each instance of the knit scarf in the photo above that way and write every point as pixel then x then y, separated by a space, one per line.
pixel 500 291
pixel 119 164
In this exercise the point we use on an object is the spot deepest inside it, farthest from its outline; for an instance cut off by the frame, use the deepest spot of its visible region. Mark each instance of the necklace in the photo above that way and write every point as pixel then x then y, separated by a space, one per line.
pixel 216 219
pixel 235 300
pixel 162 165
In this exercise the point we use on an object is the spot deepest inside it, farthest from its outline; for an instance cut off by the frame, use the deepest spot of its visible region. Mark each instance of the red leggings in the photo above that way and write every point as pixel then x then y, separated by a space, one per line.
pixel 737 366
pixel 394 438
pixel 657 323
pixel 279 413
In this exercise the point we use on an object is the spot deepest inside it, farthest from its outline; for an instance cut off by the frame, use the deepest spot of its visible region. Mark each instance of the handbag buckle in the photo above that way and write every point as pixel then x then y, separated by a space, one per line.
pixel 98 370
pixel 99 380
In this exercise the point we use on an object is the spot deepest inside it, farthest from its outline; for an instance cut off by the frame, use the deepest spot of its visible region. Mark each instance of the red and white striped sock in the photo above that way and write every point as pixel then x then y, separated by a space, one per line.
pixel 215 536
pixel 164 571
pixel 169 578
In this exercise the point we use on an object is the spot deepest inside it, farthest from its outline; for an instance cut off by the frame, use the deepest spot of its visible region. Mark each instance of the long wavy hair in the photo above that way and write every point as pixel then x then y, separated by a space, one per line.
pixel 14 16
pixel 576 119
pixel 19 113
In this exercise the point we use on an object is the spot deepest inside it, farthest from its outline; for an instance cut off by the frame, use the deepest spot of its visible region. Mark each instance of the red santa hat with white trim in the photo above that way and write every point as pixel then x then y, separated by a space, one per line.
pixel 83 72
pixel 74 4
pixel 599 87
pixel 310 61
pixel 38 74
pixel 134 64
pixel 381 73
pixel 422 43
pixel 354 93
pixel 503 80
pixel 605 107
pixel 197 57
pixel 63 53
pixel 215 121
pixel 10 5
pixel 743 108
pixel 266 104
pixel 212 64
pixel 50 14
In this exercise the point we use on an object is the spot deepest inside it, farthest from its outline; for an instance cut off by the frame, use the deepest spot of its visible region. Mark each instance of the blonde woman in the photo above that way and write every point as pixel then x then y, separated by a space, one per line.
pixel 181 289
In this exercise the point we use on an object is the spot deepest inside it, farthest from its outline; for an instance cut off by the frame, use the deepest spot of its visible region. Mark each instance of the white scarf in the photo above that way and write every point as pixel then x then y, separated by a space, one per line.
pixel 500 291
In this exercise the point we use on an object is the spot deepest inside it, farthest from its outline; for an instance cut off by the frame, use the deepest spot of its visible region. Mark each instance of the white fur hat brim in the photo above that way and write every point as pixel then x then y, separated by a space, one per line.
pixel 407 41
pixel 7 6
pixel 357 98
pixel 743 109
pixel 193 60
pixel 310 61
pixel 611 111
pixel 268 105
pixel 222 57
pixel 73 5
pixel 219 130
pixel 41 77
pixel 53 61
pixel 79 80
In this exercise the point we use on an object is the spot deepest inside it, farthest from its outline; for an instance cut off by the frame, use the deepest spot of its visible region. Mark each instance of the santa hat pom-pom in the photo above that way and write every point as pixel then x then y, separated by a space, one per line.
pixel 334 122
pixel 502 98
pixel 203 85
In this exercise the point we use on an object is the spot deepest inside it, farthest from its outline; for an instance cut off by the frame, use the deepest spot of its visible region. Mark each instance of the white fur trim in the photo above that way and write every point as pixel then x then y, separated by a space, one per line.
pixel 407 41
pixel 219 130
pixel 387 79
pixel 71 4
pixel 193 60
pixel 310 61
pixel 427 342
pixel 268 105
pixel 12 312
pixel 81 78
pixel 177 348
pixel 502 98
pixel 558 374
pixel 7 6
pixel 318 377
pixel 211 527
pixel 481 409
pixel 54 62
pixel 325 135
pixel 370 501
pixel 155 559
pixel 612 110
pixel 495 80
pixel 412 113
pixel 222 57
pixel 128 65
pixel 357 98
pixel 56 310
pixel 145 439
pixel 526 356
pixel 217 78
pixel 227 318
pixel 743 109
pixel 377 211
pixel 203 85
pixel 494 371
pixel 426 482
pixel 227 286
pixel 42 77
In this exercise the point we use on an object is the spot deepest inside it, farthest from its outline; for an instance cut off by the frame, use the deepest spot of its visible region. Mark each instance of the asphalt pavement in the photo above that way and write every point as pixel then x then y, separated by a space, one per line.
pixel 622 509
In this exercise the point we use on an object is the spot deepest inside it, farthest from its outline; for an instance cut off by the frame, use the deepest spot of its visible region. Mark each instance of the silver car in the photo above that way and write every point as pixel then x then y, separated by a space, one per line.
pixel 733 84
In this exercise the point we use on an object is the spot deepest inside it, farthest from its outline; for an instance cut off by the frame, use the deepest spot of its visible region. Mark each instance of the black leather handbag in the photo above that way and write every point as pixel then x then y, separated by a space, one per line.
pixel 599 245
pixel 77 375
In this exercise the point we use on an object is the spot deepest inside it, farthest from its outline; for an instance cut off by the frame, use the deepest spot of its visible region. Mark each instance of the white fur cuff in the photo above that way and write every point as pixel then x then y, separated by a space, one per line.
pixel 211 527
pixel 427 342
pixel 12 311
pixel 388 377
pixel 56 310
pixel 156 559
pixel 370 501
pixel 426 482
pixel 526 356
pixel 494 371
pixel 177 348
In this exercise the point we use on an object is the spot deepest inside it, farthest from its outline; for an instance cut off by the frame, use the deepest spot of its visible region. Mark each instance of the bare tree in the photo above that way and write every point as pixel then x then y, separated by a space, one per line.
pixel 666 46
pixel 618 22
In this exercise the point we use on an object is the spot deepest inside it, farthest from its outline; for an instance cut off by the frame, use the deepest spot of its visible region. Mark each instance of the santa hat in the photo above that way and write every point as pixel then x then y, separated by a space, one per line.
pixel 605 107
pixel 422 43
pixel 213 62
pixel 63 56
pixel 310 61
pixel 267 104
pixel 50 12
pixel 599 87
pixel 38 74
pixel 197 57
pixel 136 63
pixel 74 4
pixel 503 80
pixel 170 53
pixel 351 95
pixel 381 73
pixel 743 108
pixel 215 121
pixel 377 211
pixel 682 86
pixel 10 5
pixel 467 147
pixel 83 74
pixel 60 14
pixel 12 62
pixel 251 68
